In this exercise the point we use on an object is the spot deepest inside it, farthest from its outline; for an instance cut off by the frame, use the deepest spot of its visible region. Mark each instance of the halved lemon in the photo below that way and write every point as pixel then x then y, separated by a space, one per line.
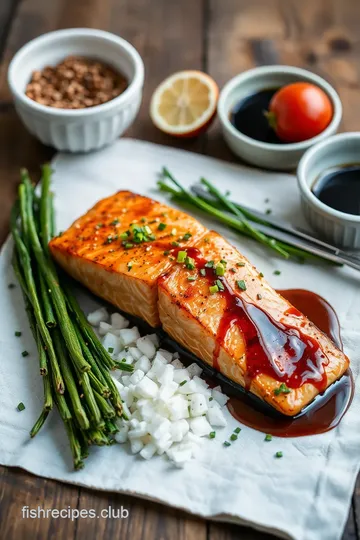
pixel 184 104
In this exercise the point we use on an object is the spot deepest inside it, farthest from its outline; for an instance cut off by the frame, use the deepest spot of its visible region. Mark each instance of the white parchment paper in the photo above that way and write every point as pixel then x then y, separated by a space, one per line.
pixel 306 494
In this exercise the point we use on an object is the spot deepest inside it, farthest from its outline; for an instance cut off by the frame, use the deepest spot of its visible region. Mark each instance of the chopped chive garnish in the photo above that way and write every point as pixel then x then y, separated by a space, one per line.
pixel 279 454
pixel 268 437
pixel 99 225
pixel 175 244
pixel 17 334
pixel 237 430
pixel 166 252
pixel 212 434
pixel 162 226
pixel 187 236
pixel 21 406
pixel 11 286
pixel 233 437
pixel 261 274
pixel 226 443
pixel 258 296
pixel 203 272
pixel 190 263
pixel 181 256
pixel 214 289
pixel 129 245
pixel 241 284
pixel 24 353
pixel 277 272
pixel 183 382
pixel 211 398
pixel 124 236
pixel 283 389
pixel 110 349
pixel 233 270
pixel 111 238
pixel 147 228
pixel 268 211
pixel 143 220
pixel 209 264
pixel 220 285
pixel 192 278
pixel 115 221
pixel 220 269
pixel 223 262
pixel 129 265
pixel 240 264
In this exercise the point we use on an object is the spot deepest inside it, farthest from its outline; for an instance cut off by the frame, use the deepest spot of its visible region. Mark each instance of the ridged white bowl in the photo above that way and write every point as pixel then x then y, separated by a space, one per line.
pixel 337 227
pixel 79 130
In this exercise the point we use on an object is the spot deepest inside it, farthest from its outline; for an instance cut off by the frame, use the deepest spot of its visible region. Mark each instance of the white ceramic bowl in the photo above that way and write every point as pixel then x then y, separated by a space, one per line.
pixel 337 227
pixel 268 155
pixel 83 129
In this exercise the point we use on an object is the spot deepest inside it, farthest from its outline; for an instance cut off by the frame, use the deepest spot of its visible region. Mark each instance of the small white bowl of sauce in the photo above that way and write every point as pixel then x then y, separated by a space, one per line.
pixel 241 107
pixel 329 181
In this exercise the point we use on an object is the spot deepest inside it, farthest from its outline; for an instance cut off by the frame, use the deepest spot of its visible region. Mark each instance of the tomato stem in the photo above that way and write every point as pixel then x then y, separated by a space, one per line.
pixel 271 118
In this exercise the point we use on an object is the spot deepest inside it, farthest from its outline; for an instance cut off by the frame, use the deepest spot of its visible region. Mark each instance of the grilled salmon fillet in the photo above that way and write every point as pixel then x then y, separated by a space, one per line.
pixel 162 265
pixel 215 327
pixel 97 251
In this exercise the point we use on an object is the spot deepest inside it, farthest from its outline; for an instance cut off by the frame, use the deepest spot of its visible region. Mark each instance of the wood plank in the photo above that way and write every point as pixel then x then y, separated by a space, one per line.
pixel 7 12
pixel 19 489
pixel 225 531
pixel 145 521
pixel 321 36
pixel 164 50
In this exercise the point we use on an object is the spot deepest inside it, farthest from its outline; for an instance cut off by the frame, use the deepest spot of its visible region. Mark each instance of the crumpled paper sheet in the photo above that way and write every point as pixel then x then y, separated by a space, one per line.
pixel 306 494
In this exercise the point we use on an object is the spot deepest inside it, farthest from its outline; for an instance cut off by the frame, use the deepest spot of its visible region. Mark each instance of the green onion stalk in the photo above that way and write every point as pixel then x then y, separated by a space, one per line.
pixel 229 213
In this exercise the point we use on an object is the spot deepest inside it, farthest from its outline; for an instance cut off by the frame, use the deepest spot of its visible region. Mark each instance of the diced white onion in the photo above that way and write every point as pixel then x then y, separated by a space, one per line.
pixel 169 408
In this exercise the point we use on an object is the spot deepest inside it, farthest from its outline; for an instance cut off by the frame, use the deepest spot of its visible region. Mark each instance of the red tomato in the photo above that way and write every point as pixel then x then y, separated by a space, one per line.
pixel 299 111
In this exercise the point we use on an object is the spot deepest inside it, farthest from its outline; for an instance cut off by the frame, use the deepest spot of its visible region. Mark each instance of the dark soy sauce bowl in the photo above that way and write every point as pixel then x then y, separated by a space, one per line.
pixel 270 155
pixel 337 227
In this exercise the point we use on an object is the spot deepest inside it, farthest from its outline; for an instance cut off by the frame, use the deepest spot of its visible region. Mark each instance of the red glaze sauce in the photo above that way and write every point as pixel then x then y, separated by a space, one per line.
pixel 327 409
pixel 273 348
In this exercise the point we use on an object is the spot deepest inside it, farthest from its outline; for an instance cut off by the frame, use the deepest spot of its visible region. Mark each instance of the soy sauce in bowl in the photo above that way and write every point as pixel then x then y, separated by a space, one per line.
pixel 248 116
pixel 339 188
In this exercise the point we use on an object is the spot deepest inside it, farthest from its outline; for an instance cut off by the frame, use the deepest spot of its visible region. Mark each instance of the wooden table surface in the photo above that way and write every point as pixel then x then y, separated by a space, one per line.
pixel 222 37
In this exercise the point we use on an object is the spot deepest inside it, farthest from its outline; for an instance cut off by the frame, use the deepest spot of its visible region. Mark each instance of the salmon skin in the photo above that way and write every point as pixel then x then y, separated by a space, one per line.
pixel 162 265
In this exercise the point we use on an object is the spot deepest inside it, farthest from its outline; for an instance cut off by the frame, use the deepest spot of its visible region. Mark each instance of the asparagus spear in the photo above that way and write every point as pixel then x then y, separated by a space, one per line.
pixel 106 409
pixel 49 273
pixel 47 307
pixel 45 208
pixel 98 386
pixel 39 423
pixel 91 338
pixel 95 370
pixel 71 389
pixel 24 256
pixel 76 448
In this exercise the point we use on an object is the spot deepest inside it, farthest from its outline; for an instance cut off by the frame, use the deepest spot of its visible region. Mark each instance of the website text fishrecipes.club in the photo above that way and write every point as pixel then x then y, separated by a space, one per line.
pixel 73 513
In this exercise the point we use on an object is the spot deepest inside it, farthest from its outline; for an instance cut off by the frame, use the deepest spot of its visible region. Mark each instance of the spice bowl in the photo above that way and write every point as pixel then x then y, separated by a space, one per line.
pixel 264 154
pixel 336 227
pixel 85 129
